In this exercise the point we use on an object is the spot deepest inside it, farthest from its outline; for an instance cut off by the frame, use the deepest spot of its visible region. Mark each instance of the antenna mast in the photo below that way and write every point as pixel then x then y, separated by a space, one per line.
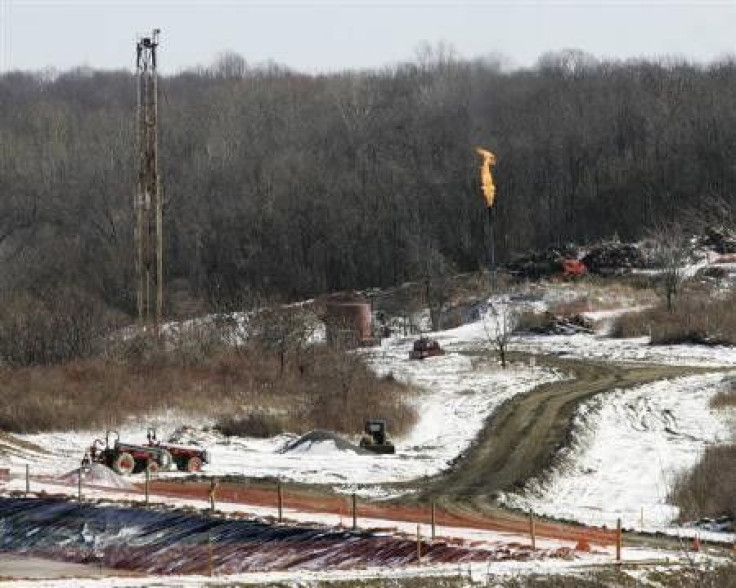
pixel 148 197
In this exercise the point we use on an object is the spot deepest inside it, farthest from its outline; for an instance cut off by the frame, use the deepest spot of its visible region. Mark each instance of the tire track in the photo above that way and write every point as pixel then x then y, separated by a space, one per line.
pixel 521 439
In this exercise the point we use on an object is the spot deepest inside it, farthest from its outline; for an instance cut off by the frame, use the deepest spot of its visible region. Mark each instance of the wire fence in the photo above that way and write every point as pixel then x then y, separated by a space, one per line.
pixel 350 511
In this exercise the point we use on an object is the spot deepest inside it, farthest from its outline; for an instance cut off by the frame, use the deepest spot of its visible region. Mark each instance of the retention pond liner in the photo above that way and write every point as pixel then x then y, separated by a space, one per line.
pixel 178 542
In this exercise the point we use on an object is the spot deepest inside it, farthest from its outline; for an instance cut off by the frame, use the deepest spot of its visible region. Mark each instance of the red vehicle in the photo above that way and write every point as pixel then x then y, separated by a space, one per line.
pixel 572 268
pixel 127 458
pixel 187 458
pixel 424 347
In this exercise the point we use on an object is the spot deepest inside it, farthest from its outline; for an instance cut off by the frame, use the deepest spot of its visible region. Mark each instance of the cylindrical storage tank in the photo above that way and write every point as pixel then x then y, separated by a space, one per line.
pixel 349 323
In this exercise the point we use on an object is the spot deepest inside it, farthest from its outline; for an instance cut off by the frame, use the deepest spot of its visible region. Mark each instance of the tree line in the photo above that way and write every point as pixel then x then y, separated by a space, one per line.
pixel 288 185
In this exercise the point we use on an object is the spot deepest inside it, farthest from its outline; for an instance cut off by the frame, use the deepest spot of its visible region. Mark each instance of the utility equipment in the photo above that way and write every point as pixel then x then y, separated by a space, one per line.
pixel 375 438
pixel 187 458
pixel 127 458
pixel 424 347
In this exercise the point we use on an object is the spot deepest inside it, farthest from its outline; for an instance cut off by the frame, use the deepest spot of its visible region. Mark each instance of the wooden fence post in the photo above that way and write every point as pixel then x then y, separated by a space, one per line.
pixel 148 484
pixel 434 522
pixel 355 512
pixel 533 530
pixel 213 490
pixel 619 540
pixel 419 545
pixel 280 498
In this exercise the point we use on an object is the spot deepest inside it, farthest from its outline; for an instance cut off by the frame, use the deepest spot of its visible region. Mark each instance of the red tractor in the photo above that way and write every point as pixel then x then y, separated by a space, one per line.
pixel 187 458
pixel 127 458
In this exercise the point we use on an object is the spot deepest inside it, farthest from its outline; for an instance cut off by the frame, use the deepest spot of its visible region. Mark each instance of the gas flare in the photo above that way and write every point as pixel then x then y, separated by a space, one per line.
pixel 486 178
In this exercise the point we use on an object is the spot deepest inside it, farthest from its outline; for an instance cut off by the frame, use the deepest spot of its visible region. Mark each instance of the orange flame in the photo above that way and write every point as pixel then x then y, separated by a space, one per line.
pixel 486 178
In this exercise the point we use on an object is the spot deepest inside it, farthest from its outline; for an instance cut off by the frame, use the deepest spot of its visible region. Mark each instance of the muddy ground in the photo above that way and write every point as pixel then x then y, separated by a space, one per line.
pixel 522 437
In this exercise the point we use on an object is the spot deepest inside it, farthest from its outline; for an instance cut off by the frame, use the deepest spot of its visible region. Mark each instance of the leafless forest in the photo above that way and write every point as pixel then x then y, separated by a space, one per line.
pixel 285 185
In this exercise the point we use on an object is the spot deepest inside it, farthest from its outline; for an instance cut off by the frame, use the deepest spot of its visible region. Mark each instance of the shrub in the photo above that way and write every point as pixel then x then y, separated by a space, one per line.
pixel 254 424
pixel 725 398
pixel 708 489
pixel 56 327
pixel 332 390
pixel 696 318
pixel 532 322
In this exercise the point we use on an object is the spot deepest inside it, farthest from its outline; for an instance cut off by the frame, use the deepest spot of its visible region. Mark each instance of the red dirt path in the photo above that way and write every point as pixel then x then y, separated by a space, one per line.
pixel 305 502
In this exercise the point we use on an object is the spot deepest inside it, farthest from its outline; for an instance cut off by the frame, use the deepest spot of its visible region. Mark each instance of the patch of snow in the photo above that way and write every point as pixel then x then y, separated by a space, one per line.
pixel 635 350
pixel 628 447
pixel 96 475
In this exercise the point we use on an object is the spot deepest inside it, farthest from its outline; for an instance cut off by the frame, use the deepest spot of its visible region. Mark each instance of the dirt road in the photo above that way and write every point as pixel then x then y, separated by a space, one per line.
pixel 524 434
pixel 518 442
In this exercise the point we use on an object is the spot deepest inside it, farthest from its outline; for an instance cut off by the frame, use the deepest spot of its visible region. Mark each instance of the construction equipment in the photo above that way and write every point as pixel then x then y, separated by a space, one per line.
pixel 425 347
pixel 127 458
pixel 187 458
pixel 375 439
pixel 573 268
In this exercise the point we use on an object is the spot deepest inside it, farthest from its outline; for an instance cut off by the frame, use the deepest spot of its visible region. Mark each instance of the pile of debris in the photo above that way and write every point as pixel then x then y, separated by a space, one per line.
pixel 540 264
pixel 552 324
pixel 614 257
pixel 319 442
pixel 720 240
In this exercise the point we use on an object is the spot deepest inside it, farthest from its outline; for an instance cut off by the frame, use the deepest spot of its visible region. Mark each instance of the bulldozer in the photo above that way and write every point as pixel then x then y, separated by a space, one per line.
pixel 375 438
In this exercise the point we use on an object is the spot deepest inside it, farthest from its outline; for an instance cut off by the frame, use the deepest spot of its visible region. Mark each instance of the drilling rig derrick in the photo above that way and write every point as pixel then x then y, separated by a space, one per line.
pixel 148 196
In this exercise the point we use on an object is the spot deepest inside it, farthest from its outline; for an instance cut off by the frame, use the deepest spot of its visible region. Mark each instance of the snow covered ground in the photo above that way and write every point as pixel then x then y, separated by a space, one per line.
pixel 628 447
pixel 457 395
pixel 472 574
pixel 477 539
pixel 637 350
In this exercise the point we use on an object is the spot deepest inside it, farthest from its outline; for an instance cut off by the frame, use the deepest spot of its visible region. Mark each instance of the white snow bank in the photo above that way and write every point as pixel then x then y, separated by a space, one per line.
pixel 636 350
pixel 97 475
pixel 628 446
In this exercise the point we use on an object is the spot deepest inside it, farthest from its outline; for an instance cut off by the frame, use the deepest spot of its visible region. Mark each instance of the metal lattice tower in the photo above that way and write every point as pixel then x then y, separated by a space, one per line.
pixel 148 195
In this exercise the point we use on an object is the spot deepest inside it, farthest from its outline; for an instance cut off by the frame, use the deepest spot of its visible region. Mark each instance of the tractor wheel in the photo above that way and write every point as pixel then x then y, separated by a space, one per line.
pixel 194 464
pixel 124 464
pixel 165 460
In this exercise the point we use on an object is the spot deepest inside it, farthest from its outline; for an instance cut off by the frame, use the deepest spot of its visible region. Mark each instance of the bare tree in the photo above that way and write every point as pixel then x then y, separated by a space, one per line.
pixel 499 323
pixel 284 330
pixel 670 255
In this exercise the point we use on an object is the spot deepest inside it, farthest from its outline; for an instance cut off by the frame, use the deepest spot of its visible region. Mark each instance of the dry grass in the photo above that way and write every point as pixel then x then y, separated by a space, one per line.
pixel 725 398
pixel 696 318
pixel 595 294
pixel 255 424
pixel 708 489
pixel 530 322
pixel 330 389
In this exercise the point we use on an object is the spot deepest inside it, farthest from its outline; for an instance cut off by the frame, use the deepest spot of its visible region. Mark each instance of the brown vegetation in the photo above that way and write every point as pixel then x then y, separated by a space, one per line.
pixel 708 489
pixel 695 318
pixel 381 160
pixel 331 389
pixel 725 398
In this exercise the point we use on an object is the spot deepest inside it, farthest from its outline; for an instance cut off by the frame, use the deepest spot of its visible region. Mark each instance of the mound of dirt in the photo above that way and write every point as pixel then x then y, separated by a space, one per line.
pixel 97 475
pixel 322 442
